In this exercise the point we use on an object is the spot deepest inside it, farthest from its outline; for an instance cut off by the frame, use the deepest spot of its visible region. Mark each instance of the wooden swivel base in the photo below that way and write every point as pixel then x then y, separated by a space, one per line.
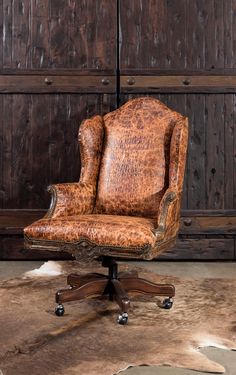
pixel 115 286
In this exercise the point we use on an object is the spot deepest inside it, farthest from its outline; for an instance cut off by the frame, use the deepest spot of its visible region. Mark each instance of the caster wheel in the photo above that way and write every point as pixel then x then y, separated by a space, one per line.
pixel 122 319
pixel 59 310
pixel 167 303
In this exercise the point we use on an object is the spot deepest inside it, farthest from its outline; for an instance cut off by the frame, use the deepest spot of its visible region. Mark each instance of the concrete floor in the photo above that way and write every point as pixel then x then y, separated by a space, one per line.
pixel 9 269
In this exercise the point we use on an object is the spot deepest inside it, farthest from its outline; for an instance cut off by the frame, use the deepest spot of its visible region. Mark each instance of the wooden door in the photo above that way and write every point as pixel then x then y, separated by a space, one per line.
pixel 183 52
pixel 61 62
pixel 57 67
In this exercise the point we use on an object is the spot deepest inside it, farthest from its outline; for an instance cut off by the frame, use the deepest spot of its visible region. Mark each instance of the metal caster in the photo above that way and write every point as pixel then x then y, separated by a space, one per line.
pixel 167 303
pixel 59 310
pixel 122 319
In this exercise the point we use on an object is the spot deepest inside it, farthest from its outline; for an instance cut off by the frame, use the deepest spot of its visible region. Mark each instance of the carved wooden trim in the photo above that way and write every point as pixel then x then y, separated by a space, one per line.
pixel 53 191
pixel 86 250
pixel 169 198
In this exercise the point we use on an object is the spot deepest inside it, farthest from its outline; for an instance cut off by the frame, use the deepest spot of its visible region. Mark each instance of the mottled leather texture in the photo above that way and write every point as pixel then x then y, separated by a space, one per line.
pixel 79 198
pixel 127 201
pixel 134 167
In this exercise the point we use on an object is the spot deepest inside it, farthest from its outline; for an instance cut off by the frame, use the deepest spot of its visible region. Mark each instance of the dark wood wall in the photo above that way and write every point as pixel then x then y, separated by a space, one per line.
pixel 183 52
pixel 59 64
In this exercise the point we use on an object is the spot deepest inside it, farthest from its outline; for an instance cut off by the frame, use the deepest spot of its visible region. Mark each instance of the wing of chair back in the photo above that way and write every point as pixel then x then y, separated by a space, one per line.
pixel 169 209
pixel 79 198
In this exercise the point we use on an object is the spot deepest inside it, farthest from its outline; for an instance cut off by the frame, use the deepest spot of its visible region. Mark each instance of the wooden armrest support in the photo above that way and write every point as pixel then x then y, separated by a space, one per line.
pixel 168 216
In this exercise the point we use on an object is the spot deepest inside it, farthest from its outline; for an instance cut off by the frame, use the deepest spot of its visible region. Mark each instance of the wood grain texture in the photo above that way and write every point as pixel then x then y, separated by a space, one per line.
pixel 44 84
pixel 177 34
pixel 59 34
pixel 40 144
pixel 201 248
pixel 178 83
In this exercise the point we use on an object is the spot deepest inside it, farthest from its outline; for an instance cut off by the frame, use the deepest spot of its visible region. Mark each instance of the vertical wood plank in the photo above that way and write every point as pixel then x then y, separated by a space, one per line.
pixel 215 151
pixel 2 192
pixel 7 152
pixel 40 39
pixel 57 151
pixel 103 45
pixel 176 34
pixel 40 159
pixel 73 120
pixel 58 33
pixel 196 152
pixel 195 35
pixel 229 164
pixel 7 34
pixel 232 33
pixel 21 34
pixel 21 174
pixel 234 158
pixel 1 33
pixel 229 37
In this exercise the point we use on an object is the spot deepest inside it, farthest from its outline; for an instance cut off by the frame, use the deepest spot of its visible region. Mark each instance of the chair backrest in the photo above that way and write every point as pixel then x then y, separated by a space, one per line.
pixel 134 169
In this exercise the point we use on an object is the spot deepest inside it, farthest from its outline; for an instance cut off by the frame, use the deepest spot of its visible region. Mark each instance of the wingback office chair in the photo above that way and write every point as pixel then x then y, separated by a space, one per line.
pixel 126 204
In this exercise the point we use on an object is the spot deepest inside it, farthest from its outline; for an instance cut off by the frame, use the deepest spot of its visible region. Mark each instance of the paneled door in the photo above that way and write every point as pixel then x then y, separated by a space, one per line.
pixel 57 67
pixel 65 60
pixel 183 53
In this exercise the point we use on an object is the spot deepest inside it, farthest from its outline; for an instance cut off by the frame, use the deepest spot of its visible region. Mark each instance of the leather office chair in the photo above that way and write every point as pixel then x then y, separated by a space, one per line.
pixel 126 204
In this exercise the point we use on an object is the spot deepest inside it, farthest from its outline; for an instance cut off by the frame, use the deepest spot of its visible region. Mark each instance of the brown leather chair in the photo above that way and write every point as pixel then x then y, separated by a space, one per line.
pixel 126 204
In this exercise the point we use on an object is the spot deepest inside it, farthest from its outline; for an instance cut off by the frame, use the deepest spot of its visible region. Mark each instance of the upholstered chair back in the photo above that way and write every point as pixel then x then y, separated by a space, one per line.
pixel 135 163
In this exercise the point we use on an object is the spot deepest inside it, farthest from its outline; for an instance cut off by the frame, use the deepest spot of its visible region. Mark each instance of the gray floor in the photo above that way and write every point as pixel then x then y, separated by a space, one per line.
pixel 10 269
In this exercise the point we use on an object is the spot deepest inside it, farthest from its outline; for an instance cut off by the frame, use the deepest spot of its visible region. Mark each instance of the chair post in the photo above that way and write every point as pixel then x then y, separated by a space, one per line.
pixel 112 266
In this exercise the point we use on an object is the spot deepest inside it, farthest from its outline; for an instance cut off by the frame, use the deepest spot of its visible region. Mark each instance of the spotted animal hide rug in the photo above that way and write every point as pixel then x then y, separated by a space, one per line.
pixel 88 341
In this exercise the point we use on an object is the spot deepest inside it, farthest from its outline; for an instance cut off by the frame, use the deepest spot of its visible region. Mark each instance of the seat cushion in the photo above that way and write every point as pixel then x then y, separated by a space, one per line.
pixel 103 230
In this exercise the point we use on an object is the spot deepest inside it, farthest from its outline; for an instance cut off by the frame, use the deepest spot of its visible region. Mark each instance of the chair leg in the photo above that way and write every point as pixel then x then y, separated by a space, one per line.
pixel 122 300
pixel 75 280
pixel 115 286
pixel 91 288
pixel 143 286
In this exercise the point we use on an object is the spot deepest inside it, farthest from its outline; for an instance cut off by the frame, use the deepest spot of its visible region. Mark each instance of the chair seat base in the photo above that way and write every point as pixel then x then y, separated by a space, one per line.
pixel 115 286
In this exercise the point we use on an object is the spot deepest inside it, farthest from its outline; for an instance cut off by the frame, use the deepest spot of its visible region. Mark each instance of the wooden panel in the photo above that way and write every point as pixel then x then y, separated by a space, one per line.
pixel 13 221
pixel 12 247
pixel 59 34
pixel 215 147
pixel 178 83
pixel 208 225
pixel 40 143
pixel 201 249
pixel 177 34
pixel 53 84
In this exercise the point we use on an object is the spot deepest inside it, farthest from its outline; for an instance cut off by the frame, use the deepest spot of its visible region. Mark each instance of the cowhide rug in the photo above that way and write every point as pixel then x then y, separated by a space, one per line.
pixel 87 340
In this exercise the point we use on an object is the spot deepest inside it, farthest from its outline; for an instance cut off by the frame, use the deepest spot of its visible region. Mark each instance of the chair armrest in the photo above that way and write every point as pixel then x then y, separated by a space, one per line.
pixel 168 215
pixel 70 199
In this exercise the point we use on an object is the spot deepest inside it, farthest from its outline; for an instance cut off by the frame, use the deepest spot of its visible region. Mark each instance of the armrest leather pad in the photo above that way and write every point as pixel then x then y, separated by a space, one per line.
pixel 70 199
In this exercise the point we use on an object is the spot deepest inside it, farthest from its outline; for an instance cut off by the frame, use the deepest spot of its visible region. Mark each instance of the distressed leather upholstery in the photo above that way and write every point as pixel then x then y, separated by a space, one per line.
pixel 127 202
